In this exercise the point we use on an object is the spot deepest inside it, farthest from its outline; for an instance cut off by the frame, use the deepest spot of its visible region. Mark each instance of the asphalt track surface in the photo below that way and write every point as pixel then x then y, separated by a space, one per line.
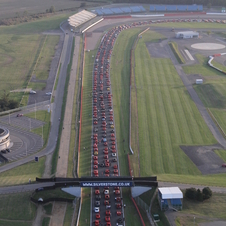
pixel 104 156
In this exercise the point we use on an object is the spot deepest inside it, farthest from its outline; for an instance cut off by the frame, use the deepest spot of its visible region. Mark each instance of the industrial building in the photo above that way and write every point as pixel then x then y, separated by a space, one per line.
pixel 170 198
pixel 187 34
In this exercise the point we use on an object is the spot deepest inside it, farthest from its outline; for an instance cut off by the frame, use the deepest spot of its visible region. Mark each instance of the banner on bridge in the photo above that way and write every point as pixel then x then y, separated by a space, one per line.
pixel 106 184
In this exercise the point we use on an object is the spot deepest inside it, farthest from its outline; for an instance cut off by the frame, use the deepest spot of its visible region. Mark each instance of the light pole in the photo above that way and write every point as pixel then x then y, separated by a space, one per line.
pixel 42 135
pixel 35 109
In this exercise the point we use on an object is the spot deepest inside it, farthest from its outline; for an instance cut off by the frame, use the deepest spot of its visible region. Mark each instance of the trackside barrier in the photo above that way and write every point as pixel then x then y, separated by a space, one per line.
pixel 212 58
pixel 80 127
pixel 141 218
pixel 92 25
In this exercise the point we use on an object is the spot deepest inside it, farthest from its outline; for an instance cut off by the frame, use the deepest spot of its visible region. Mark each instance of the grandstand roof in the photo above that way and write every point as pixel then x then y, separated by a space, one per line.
pixel 80 18
pixel 171 193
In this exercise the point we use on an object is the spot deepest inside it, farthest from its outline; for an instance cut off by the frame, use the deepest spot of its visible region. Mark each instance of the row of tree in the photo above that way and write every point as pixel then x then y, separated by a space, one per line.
pixel 198 195
pixel 176 2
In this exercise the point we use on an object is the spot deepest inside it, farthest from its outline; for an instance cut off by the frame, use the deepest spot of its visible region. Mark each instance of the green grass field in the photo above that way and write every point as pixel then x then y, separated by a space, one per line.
pixel 167 117
pixel 20 48
pixel 68 214
pixel 22 174
pixel 190 131
pixel 213 91
pixel 17 209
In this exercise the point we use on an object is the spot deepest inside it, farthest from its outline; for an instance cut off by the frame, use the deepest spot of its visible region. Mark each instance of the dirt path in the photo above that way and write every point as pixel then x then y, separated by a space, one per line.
pixel 65 137
pixel 58 213
pixel 39 216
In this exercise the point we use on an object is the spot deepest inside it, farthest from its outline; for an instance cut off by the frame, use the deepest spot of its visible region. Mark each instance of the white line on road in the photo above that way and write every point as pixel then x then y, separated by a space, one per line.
pixel 189 55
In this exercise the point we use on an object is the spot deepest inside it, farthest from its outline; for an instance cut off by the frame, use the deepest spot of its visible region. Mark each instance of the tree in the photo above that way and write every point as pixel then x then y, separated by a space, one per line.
pixel 199 195
pixel 191 193
pixel 52 9
pixel 207 193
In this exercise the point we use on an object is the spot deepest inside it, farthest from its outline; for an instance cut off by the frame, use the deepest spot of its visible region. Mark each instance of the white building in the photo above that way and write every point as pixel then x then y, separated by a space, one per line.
pixel 4 138
pixel 187 34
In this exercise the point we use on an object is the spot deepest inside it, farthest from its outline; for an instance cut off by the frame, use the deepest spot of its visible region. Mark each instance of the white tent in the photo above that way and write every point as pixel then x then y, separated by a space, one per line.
pixel 171 193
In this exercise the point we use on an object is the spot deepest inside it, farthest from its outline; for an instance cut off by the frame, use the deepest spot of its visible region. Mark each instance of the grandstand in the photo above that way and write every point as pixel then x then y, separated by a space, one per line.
pixel 80 18
pixel 175 8
pixel 120 10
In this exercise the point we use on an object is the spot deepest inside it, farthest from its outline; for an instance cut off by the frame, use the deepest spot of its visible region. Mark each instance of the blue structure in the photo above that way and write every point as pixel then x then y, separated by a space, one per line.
pixel 122 10
pixel 170 198
pixel 174 8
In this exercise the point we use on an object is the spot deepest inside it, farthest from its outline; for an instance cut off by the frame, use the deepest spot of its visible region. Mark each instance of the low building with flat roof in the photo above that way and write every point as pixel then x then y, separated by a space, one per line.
pixel 187 34
pixel 170 198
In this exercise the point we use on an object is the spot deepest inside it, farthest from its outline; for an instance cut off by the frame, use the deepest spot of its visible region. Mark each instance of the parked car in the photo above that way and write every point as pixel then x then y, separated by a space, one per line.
pixel 19 115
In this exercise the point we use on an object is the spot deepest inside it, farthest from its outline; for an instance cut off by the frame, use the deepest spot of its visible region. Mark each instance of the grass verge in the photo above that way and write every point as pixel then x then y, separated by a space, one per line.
pixel 86 131
pixel 68 215
pixel 48 208
pixel 17 207
pixel 73 149
pixel 45 221
pixel 176 52
pixel 55 154
pixel 55 193
pixel 22 174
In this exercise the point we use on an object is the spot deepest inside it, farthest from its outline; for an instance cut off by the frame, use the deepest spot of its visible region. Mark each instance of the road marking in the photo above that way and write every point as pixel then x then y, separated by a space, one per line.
pixel 188 54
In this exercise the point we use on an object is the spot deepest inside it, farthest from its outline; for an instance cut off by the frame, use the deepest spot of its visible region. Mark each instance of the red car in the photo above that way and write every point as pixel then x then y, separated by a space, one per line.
pixel 115 166
pixel 97 192
pixel 108 223
pixel 106 160
pixel 112 135
pixel 108 213
pixel 105 152
pixel 112 139
pixel 118 199
pixel 107 171
pixel 107 164
pixel 113 143
pixel 107 197
pixel 97 216
pixel 117 192
pixel 118 206
pixel 107 218
pixel 95 167
pixel 106 148
pixel 106 157
pixel 96 222
pixel 95 171
pixel 115 171
pixel 118 213
pixel 113 151
pixel 95 157
pixel 95 162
